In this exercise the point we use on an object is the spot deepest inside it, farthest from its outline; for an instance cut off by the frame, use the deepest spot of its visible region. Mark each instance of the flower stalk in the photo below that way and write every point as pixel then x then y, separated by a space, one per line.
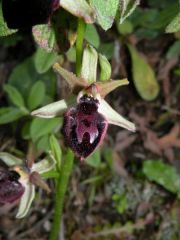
pixel 61 188
pixel 65 171
pixel 86 118
pixel 79 45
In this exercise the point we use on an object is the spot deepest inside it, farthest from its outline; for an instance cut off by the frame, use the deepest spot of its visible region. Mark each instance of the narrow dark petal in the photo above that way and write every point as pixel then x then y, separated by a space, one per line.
pixel 84 128
pixel 10 188
pixel 27 13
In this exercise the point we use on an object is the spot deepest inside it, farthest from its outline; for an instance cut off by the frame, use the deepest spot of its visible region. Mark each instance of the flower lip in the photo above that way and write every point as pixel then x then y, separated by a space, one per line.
pixel 10 188
pixel 23 14
pixel 84 128
pixel 14 176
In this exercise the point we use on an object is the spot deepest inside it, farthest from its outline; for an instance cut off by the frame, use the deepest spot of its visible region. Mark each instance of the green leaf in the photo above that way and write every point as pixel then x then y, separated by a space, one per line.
pixel 92 36
pixel 174 50
pixel 107 49
pixel 127 7
pixel 25 131
pixel 56 150
pixel 50 174
pixel 95 159
pixel 106 12
pixel 143 76
pixel 42 143
pixel 159 3
pixel 4 30
pixel 79 8
pixel 165 16
pixel 36 95
pixel 24 75
pixel 93 180
pixel 124 28
pixel 174 26
pixel 9 159
pixel 14 95
pixel 11 40
pixel 10 114
pixel 108 156
pixel 154 19
pixel 25 72
pixel 71 54
pixel 40 127
pixel 163 174
pixel 105 68
pixel 44 36
pixel 44 60
pixel 145 33
pixel 120 202
pixel 59 35
pixel 89 64
pixel 145 18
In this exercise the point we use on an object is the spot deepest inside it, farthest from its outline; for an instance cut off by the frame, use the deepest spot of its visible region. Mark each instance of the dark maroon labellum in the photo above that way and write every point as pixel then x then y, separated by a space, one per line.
pixel 84 128
pixel 10 188
pixel 27 13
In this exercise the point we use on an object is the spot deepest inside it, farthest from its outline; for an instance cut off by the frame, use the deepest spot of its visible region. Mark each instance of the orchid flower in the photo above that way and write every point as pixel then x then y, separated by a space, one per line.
pixel 19 181
pixel 22 14
pixel 10 187
pixel 86 113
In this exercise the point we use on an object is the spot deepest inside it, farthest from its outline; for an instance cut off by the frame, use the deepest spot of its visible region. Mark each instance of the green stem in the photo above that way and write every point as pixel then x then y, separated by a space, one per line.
pixel 79 45
pixel 61 188
pixel 66 169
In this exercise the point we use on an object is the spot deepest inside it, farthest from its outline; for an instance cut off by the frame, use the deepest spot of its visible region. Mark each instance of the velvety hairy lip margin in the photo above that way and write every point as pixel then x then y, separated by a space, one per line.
pixel 84 128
